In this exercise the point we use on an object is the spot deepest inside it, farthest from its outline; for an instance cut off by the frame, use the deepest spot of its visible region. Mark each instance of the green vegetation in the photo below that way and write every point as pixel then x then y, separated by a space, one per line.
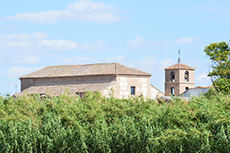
pixel 219 54
pixel 98 124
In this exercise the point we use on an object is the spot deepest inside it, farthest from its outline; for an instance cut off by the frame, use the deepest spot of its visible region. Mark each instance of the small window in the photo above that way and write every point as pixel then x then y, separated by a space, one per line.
pixel 172 76
pixel 132 90
pixel 79 94
pixel 172 91
pixel 186 88
pixel 186 76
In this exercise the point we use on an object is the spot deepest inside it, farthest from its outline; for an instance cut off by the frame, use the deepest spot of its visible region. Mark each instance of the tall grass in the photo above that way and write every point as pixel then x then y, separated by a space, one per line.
pixel 98 124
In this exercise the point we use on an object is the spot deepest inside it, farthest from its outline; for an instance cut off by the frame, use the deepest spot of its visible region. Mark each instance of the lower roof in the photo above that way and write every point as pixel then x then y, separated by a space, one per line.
pixel 56 90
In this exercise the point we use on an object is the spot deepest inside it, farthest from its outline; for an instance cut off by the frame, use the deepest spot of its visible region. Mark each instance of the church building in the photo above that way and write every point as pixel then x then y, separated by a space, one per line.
pixel 123 81
pixel 107 78
pixel 178 78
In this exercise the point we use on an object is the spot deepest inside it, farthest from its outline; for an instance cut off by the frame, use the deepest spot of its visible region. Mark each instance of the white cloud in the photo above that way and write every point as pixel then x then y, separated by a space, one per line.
pixel 31 59
pixel 62 45
pixel 8 28
pixel 78 60
pixel 39 42
pixel 202 80
pixel 187 40
pixel 116 59
pixel 208 9
pixel 83 11
pixel 94 47
pixel 138 41
pixel 167 62
pixel 202 76
pixel 23 36
pixel 16 71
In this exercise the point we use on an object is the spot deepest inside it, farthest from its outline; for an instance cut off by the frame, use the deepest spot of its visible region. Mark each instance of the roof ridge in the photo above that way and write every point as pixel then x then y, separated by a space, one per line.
pixel 81 64
pixel 179 66
pixel 115 68
pixel 84 70
pixel 157 89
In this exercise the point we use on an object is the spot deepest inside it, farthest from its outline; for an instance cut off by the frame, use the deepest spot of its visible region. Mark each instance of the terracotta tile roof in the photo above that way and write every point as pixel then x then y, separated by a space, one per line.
pixel 56 90
pixel 182 66
pixel 83 70
pixel 201 87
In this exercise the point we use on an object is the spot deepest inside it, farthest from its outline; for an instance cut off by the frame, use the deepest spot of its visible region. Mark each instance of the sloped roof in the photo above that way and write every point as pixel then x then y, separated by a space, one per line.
pixel 56 90
pixel 157 89
pixel 201 87
pixel 196 88
pixel 83 70
pixel 181 66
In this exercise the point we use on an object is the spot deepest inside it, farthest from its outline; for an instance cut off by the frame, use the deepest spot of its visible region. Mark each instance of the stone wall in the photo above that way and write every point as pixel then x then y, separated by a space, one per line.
pixel 26 83
pixel 124 83
pixel 155 93
pixel 110 91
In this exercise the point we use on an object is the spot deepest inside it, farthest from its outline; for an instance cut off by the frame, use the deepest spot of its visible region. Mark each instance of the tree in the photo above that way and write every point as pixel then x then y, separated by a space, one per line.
pixel 220 75
pixel 218 52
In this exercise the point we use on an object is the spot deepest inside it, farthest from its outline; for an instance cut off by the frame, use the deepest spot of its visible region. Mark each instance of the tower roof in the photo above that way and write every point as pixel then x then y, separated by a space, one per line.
pixel 179 66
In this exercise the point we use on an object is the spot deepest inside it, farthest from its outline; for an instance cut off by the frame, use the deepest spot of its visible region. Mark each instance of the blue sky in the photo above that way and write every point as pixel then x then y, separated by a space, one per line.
pixel 143 34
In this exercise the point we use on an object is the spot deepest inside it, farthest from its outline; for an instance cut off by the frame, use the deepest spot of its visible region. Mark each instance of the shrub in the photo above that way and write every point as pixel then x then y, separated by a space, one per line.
pixel 98 124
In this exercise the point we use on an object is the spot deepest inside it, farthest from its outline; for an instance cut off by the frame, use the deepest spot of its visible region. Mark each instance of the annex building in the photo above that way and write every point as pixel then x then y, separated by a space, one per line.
pixel 79 79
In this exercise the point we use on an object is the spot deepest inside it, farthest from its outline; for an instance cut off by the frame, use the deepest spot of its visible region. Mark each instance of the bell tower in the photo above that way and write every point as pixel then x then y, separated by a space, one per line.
pixel 178 78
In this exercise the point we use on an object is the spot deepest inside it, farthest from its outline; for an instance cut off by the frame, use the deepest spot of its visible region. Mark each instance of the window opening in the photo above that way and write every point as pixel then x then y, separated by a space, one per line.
pixel 186 76
pixel 172 76
pixel 172 91
pixel 132 90
pixel 186 88
pixel 81 95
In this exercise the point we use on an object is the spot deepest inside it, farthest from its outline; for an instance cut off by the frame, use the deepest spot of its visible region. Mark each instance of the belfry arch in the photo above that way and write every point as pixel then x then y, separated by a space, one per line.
pixel 186 76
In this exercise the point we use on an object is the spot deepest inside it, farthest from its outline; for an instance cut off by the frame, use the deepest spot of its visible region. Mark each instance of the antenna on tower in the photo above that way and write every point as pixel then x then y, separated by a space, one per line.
pixel 179 60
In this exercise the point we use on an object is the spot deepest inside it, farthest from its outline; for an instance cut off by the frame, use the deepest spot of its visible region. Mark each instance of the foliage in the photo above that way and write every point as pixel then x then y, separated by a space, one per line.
pixel 211 93
pixel 218 52
pixel 98 124
pixel 220 75
pixel 222 70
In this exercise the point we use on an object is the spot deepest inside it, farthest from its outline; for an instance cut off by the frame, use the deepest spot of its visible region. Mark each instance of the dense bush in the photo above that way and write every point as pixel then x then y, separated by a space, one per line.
pixel 98 124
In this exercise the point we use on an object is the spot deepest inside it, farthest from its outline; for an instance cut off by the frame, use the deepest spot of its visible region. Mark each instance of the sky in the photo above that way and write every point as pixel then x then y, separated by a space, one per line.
pixel 143 34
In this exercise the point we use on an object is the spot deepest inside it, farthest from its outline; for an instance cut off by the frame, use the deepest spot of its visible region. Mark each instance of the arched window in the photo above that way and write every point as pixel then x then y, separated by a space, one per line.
pixel 186 88
pixel 186 76
pixel 172 91
pixel 172 76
